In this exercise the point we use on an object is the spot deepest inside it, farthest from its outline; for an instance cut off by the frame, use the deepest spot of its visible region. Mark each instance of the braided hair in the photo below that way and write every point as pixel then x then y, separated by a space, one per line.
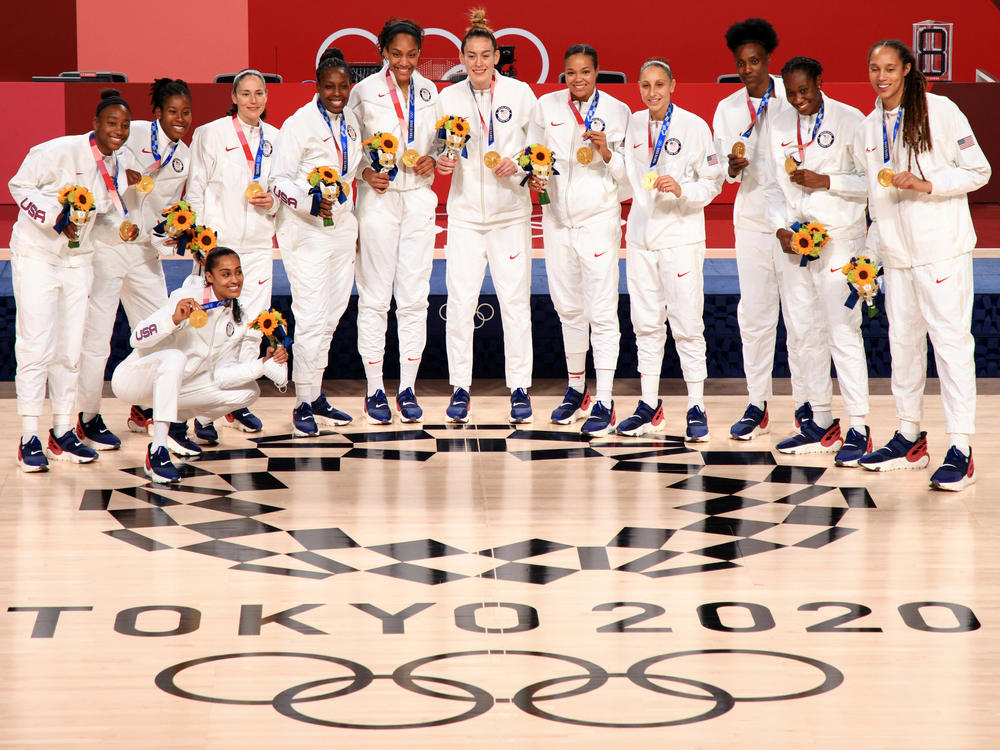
pixel 164 88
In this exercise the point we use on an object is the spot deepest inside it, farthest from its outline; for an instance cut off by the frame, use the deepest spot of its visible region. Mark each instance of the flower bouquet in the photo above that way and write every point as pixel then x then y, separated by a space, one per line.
pixel 454 131
pixel 539 162
pixel 325 184
pixel 202 240
pixel 78 205
pixel 382 149
pixel 179 219
pixel 272 325
pixel 808 239
pixel 863 279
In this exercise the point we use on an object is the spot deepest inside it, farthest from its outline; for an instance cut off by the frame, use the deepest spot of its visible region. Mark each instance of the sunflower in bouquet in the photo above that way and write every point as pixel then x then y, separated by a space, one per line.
pixel 325 184
pixel 272 324
pixel 808 239
pixel 863 281
pixel 539 162
pixel 78 204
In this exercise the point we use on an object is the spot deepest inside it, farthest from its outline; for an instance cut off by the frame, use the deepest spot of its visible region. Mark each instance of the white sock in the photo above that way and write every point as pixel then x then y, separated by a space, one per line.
pixel 696 394
pixel 203 421
pixel 407 373
pixel 305 393
pixel 61 424
pixel 88 415
pixel 909 430
pixel 160 434
pixel 373 372
pixel 823 418
pixel 29 428
pixel 605 379
pixel 576 367
pixel 650 388
pixel 375 384
pixel 961 441
pixel 858 423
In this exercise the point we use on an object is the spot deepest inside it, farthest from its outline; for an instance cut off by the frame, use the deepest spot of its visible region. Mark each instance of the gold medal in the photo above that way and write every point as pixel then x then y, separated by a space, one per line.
pixel 198 318
pixel 585 155
pixel 410 157
pixel 145 184
pixel 739 149
pixel 491 159
pixel 791 165
pixel 253 189
pixel 125 230
pixel 885 177
pixel 649 180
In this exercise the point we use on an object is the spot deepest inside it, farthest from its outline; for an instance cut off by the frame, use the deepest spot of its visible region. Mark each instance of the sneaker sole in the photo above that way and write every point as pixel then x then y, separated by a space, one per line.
pixel 205 441
pixel 698 439
pixel 520 420
pixel 178 450
pixel 894 464
pixel 576 417
pixel 852 464
pixel 961 484
pixel 157 479
pixel 29 469
pixel 599 433
pixel 800 450
pixel 372 420
pixel 411 420
pixel 69 457
pixel 239 426
pixel 142 429
pixel 641 430
pixel 296 432
pixel 99 446
pixel 456 420
pixel 330 421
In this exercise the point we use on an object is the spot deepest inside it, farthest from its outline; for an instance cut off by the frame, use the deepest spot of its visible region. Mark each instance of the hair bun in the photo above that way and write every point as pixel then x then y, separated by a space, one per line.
pixel 332 53
pixel 109 93
pixel 477 19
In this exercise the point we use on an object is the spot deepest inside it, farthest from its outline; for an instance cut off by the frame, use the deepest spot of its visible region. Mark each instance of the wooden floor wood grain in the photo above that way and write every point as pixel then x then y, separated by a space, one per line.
pixel 497 587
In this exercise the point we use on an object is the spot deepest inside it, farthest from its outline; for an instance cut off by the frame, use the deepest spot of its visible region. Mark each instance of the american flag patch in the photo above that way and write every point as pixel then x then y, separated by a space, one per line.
pixel 713 160
pixel 966 142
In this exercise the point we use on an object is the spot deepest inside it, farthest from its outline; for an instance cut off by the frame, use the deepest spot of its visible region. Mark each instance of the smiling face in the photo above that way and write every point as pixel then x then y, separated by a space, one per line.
pixel 250 98
pixel 803 92
pixel 655 87
pixel 226 277
pixel 752 65
pixel 887 74
pixel 334 88
pixel 111 128
pixel 480 58
pixel 581 76
pixel 174 116
pixel 402 53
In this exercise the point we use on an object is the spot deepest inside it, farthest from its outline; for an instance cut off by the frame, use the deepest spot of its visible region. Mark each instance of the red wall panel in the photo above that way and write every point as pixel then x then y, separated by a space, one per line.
pixel 40 39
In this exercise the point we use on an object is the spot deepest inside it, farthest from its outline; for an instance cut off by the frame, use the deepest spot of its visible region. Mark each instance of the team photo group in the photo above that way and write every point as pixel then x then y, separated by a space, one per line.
pixel 833 206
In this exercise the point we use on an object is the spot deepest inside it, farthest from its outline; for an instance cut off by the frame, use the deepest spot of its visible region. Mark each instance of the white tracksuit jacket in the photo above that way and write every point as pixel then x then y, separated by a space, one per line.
pixel 169 179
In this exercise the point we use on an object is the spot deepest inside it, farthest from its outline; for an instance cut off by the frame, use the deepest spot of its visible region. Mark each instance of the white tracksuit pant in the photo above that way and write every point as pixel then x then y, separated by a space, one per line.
pixel 823 327
pixel 258 270
pixel 158 378
pixel 936 300
pixel 759 262
pixel 507 250
pixel 396 233
pixel 582 268
pixel 51 311
pixel 130 273
pixel 668 286
pixel 319 262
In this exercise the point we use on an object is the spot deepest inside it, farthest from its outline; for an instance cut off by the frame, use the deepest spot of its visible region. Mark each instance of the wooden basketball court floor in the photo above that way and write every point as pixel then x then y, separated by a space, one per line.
pixel 425 586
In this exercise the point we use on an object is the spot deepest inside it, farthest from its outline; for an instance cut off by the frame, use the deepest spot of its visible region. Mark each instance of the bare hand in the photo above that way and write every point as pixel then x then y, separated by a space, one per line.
pixel 737 164
pixel 72 231
pixel 909 181
pixel 785 238
pixel 133 176
pixel 263 201
pixel 667 184
pixel 808 178
pixel 505 168
pixel 536 184
pixel 599 142
pixel 280 354
pixel 424 166
pixel 378 181
pixel 324 209
pixel 446 165
pixel 184 309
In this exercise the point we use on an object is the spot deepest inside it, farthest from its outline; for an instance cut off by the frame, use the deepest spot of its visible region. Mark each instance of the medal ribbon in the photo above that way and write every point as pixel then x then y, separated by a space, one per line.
pixel 252 163
pixel 654 152
pixel 154 147
pixel 111 183
pixel 342 146
pixel 798 132
pixel 403 127
pixel 886 155
pixel 584 123
pixel 493 85
pixel 760 110
pixel 206 305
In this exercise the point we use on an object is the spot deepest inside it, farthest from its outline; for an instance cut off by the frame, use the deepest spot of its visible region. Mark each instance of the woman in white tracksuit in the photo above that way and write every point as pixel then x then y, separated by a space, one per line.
pixel 52 280
pixel 319 259
pixel 489 219
pixel 186 370
pixel 227 188
pixel 131 271
pixel 396 218
pixel 821 183
pixel 672 166
pixel 922 160
pixel 742 127
pixel 581 227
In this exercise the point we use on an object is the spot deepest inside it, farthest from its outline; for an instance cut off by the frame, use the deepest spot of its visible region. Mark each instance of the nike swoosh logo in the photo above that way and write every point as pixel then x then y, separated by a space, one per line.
pixel 146 151
pixel 380 96
pixel 514 256
pixel 598 255
pixel 834 270
pixel 327 138
pixel 869 150
pixel 261 283
pixel 944 279
pixel 786 144
pixel 682 275
pixel 555 124
pixel 79 172
pixel 231 149
pixel 411 359
pixel 375 362
pixel 638 145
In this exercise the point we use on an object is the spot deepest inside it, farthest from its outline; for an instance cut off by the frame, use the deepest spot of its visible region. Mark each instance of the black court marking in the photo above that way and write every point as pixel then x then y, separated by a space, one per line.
pixel 656 552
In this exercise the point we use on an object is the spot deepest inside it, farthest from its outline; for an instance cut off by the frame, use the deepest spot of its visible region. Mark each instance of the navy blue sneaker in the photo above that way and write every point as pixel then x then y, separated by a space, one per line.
pixel 30 456
pixel 601 420
pixel 68 447
pixel 573 407
pixel 856 444
pixel 803 414
pixel 898 453
pixel 754 422
pixel 179 443
pixel 645 419
pixel 407 406
pixel 96 434
pixel 520 407
pixel 377 408
pixel 303 422
pixel 326 416
pixel 458 407
pixel 697 426
pixel 956 473
pixel 206 433
pixel 244 421
pixel 158 466
pixel 140 420
pixel 813 439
